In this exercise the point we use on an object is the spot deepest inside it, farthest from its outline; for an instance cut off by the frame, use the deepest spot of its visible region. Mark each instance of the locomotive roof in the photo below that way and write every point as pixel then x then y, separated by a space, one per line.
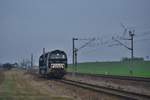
pixel 54 51
pixel 57 51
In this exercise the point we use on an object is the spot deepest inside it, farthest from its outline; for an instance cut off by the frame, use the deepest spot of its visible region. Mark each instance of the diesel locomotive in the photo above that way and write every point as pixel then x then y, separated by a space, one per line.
pixel 53 64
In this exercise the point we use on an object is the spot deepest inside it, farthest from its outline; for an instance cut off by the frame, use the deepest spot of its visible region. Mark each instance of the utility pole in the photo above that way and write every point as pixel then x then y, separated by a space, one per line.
pixel 44 56
pixel 132 57
pixel 75 61
pixel 131 34
pixel 72 51
pixel 31 60
pixel 75 51
pixel 74 55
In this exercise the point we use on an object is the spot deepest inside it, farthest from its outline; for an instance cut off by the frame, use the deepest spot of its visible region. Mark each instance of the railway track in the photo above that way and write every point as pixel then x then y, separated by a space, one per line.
pixel 117 92
pixel 109 90
pixel 132 78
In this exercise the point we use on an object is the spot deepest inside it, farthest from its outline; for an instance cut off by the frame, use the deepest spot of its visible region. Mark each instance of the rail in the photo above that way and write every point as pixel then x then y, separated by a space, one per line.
pixel 117 92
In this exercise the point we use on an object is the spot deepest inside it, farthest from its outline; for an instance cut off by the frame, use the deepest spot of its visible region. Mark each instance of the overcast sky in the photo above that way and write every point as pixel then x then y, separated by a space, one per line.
pixel 26 26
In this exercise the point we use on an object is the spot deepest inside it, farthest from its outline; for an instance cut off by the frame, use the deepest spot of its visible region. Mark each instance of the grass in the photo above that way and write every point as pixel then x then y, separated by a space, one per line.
pixel 16 87
pixel 139 69
pixel 1 76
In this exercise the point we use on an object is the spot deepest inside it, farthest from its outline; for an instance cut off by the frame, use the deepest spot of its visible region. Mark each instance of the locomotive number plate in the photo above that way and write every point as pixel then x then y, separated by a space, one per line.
pixel 57 65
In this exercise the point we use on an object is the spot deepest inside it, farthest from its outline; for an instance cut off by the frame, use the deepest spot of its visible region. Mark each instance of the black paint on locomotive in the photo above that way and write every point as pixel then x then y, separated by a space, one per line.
pixel 53 64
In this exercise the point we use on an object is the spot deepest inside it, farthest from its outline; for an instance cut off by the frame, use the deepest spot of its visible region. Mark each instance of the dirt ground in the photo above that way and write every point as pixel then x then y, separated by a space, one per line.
pixel 20 85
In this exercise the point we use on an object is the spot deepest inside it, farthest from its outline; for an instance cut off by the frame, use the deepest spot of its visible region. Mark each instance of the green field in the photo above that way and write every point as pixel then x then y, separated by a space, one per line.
pixel 136 68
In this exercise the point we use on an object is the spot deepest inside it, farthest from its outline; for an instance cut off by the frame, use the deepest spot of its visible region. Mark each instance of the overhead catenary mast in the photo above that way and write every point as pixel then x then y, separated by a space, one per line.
pixel 75 50
pixel 131 34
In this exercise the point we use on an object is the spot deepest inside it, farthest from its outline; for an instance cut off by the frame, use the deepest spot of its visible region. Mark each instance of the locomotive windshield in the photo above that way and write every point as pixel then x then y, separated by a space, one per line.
pixel 58 56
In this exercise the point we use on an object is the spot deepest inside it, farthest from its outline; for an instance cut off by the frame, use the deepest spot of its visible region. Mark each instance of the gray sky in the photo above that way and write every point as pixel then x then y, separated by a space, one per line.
pixel 26 26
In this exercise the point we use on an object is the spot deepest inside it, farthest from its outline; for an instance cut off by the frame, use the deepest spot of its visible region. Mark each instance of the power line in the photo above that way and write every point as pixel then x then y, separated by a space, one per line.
pixel 143 34
pixel 131 34
pixel 142 40
pixel 86 44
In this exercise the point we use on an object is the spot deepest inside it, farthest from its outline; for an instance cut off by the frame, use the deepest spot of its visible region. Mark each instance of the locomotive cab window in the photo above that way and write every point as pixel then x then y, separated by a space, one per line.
pixel 57 56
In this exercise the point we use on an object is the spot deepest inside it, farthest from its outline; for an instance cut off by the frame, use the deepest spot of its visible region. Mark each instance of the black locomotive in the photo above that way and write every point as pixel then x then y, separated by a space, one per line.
pixel 53 64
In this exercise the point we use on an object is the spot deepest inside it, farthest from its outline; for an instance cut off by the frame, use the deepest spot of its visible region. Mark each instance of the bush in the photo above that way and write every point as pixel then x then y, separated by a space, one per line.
pixel 125 59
